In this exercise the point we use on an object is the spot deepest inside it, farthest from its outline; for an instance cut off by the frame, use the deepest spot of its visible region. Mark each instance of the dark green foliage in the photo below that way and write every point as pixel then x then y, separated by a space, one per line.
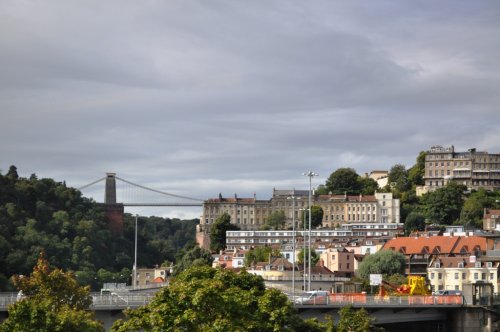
pixel 276 220
pixel 218 232
pixel 194 256
pixel 343 180
pixel 351 320
pixel 414 222
pixel 382 262
pixel 206 299
pixel 316 216
pixel 53 301
pixel 260 254
pixel 443 206
pixel 42 214
pixel 367 185
pixel 305 252
pixel 398 178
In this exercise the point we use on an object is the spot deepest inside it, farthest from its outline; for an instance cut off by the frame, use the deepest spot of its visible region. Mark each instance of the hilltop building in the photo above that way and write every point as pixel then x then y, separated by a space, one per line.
pixel 250 213
pixel 474 169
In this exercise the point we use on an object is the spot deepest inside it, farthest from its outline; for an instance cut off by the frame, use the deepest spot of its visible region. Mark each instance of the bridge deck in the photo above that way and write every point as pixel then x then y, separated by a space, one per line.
pixel 137 299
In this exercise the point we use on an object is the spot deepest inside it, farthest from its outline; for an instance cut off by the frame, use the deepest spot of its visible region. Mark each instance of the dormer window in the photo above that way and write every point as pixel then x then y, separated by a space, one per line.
pixel 437 265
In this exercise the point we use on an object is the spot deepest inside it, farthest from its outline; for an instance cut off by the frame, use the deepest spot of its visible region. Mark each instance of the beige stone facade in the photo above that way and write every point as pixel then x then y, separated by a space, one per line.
pixel 341 209
pixel 250 213
pixel 474 169
pixel 451 273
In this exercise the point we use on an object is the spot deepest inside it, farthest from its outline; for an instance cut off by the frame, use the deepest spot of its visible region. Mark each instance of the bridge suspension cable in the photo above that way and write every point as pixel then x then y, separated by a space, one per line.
pixel 158 191
pixel 91 183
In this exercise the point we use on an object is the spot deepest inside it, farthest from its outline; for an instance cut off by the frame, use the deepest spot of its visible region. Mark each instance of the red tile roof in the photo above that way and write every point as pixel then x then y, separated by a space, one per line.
pixel 436 244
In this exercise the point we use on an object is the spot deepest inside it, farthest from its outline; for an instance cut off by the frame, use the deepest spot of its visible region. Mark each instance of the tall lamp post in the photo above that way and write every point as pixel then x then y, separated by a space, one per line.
pixel 293 198
pixel 310 174
pixel 304 258
pixel 134 278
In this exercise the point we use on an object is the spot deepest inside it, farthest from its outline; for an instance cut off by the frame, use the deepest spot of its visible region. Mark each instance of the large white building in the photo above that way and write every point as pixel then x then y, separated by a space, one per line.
pixel 474 169
pixel 251 214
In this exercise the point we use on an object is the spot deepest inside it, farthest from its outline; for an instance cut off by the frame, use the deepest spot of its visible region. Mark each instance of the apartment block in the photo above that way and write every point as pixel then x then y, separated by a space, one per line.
pixel 451 273
pixel 250 213
pixel 474 169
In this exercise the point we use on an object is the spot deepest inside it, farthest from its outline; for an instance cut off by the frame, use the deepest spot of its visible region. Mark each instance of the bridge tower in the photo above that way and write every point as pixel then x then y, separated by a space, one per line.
pixel 113 211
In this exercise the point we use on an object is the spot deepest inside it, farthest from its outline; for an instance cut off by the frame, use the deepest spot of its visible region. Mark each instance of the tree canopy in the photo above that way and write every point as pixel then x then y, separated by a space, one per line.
pixel 218 232
pixel 343 180
pixel 42 214
pixel 206 299
pixel 382 262
pixel 52 301
pixel 316 216
pixel 276 220
pixel 443 206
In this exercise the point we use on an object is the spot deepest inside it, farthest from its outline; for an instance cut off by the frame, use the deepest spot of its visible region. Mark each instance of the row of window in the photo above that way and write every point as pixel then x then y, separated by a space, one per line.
pixel 457 275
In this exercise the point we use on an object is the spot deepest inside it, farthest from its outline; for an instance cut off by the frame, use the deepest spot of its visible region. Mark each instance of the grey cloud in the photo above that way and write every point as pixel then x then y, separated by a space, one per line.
pixel 231 97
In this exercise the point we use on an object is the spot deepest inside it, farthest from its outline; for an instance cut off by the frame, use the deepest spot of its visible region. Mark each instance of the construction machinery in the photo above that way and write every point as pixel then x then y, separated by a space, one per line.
pixel 416 286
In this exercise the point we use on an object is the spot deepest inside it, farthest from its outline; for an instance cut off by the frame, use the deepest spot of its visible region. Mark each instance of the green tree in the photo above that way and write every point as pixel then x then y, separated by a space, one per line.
pixel 276 220
pixel 416 173
pixel 443 206
pixel 52 301
pixel 398 178
pixel 316 216
pixel 304 252
pixel 259 254
pixel 194 256
pixel 382 262
pixel 206 299
pixel 343 180
pixel 367 185
pixel 414 222
pixel 351 320
pixel 218 231
pixel 473 208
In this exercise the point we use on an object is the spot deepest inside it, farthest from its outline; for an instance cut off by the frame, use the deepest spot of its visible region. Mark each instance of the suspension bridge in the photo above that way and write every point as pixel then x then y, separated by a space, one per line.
pixel 130 198
pixel 131 195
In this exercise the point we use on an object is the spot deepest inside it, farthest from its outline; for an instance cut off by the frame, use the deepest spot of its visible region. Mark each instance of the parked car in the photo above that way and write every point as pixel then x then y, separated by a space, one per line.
pixel 447 292
pixel 313 297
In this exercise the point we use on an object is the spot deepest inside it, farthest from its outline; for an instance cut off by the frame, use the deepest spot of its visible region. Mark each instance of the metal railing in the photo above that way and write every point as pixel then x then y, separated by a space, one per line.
pixel 363 300
pixel 99 301
pixel 136 300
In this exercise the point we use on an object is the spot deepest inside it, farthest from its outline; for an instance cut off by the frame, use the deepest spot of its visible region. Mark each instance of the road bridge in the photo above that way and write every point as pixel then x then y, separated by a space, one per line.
pixel 386 310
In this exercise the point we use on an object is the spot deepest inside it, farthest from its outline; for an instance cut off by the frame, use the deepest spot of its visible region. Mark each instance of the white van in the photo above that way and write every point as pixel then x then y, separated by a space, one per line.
pixel 313 297
pixel 447 292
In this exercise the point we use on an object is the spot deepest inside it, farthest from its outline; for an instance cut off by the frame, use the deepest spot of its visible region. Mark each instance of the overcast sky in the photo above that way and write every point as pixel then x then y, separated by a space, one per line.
pixel 200 97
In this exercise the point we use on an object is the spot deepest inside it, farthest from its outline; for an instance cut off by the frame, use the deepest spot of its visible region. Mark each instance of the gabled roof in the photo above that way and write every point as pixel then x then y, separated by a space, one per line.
pixel 490 213
pixel 436 244
pixel 470 244
pixel 451 262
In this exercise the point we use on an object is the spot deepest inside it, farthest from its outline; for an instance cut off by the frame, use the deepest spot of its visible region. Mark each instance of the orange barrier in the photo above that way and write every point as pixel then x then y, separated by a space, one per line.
pixel 348 297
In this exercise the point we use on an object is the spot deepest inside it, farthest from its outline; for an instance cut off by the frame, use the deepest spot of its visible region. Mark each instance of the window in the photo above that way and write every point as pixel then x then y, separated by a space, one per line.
pixel 456 276
pixel 492 276
pixel 464 275
pixel 432 275
pixel 475 276
pixel 440 276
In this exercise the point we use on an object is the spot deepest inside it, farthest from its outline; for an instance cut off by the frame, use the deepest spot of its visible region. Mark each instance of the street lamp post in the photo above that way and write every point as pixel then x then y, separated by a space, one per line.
pixel 293 244
pixel 310 174
pixel 134 277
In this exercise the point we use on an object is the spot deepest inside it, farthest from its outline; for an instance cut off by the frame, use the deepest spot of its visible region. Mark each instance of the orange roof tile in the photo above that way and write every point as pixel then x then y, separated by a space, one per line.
pixel 435 244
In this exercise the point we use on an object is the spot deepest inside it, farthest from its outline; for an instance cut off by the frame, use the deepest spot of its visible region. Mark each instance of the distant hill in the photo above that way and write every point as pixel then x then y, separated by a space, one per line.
pixel 43 214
